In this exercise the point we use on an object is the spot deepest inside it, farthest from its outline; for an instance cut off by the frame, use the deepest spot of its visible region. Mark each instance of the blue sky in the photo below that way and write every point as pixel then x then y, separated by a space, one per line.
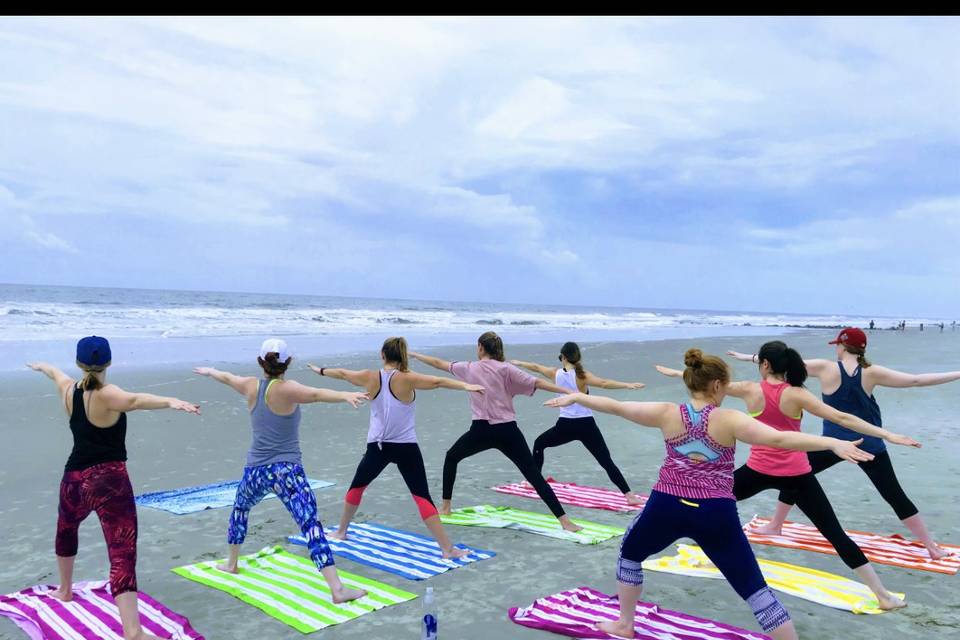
pixel 747 164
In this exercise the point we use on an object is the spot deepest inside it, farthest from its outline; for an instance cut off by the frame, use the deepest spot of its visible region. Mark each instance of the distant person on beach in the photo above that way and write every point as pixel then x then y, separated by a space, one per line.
pixel 779 401
pixel 694 496
pixel 392 437
pixel 921 326
pixel 941 327
pixel 576 422
pixel 95 476
pixel 274 461
pixel 847 384
pixel 871 325
pixel 494 423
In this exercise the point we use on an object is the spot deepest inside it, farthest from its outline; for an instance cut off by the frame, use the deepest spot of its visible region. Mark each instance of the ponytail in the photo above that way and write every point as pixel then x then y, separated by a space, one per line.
pixel 90 381
pixel 785 361
pixel 492 345
pixel 395 350
pixel 272 365
pixel 702 370
pixel 571 351
pixel 860 353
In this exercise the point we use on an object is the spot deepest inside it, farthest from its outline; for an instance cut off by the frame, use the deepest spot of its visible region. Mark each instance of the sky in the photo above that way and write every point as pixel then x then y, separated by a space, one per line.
pixel 788 164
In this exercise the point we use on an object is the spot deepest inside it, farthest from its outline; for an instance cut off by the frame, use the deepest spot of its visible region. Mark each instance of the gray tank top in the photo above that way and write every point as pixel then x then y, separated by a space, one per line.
pixel 275 438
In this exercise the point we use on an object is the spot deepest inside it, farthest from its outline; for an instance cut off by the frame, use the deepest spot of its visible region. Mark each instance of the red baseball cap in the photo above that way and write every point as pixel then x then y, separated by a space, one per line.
pixel 851 336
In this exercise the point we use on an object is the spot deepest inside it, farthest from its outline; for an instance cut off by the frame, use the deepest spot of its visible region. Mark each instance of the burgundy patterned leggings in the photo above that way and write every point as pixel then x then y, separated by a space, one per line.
pixel 104 488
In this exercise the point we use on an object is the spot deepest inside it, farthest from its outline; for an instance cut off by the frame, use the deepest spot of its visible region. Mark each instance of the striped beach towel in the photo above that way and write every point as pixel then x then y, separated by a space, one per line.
pixel 894 550
pixel 409 555
pixel 210 496
pixel 575 495
pixel 575 613
pixel 289 588
pixel 91 615
pixel 538 523
pixel 816 586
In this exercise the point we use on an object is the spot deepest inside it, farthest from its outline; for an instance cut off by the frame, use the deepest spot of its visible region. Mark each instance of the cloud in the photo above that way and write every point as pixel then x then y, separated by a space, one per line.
pixel 49 240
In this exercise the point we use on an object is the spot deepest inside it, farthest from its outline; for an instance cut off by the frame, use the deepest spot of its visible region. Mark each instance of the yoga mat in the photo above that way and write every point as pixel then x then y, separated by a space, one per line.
pixel 289 588
pixel 894 550
pixel 816 586
pixel 409 555
pixel 211 496
pixel 575 495
pixel 537 523
pixel 91 615
pixel 575 613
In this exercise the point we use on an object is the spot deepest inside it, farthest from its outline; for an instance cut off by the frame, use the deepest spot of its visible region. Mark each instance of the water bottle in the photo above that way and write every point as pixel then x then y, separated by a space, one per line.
pixel 429 629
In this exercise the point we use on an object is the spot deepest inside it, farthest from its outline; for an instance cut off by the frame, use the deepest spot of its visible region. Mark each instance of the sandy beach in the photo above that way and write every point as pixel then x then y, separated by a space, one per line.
pixel 169 450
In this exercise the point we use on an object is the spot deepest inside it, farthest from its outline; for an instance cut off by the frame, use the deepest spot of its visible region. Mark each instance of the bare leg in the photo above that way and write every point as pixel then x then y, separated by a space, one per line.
pixel 130 617
pixel 786 631
pixel 65 590
pixel 870 578
pixel 230 566
pixel 919 529
pixel 775 526
pixel 339 592
pixel 445 508
pixel 440 535
pixel 349 510
pixel 568 524
pixel 628 595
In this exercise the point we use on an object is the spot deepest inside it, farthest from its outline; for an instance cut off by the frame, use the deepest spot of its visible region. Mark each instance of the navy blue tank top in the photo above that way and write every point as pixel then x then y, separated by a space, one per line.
pixel 851 398
pixel 93 445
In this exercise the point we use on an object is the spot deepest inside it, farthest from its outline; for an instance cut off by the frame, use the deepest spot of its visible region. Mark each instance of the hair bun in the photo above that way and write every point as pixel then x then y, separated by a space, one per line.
pixel 693 358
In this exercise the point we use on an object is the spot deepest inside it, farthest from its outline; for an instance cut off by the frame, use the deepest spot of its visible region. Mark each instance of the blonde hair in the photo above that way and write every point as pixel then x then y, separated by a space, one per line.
pixel 395 350
pixel 702 370
pixel 90 381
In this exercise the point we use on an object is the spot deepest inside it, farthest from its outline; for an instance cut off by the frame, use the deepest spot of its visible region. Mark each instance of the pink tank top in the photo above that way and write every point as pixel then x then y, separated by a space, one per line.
pixel 696 466
pixel 771 460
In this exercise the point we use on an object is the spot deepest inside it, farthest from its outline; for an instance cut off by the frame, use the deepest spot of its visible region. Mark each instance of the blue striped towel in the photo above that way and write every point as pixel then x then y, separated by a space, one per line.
pixel 409 555
pixel 210 496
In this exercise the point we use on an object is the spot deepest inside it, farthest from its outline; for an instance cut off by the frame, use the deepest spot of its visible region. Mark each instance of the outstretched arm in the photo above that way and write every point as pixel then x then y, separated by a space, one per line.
pixel 546 385
pixel 240 384
pixel 302 394
pixel 356 378
pixel 547 372
pixel 436 363
pixel 743 357
pixel 746 429
pixel 605 383
pixel 424 382
pixel 890 378
pixel 813 404
pixel 648 414
pixel 59 378
pixel 735 389
pixel 116 399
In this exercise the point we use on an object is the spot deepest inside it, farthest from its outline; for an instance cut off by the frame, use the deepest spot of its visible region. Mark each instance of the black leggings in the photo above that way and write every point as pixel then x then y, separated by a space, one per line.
pixel 506 438
pixel 881 474
pixel 409 461
pixel 586 431
pixel 812 501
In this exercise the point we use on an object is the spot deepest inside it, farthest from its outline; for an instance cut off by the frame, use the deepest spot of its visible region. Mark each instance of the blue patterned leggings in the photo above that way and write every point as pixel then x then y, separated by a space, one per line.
pixel 289 482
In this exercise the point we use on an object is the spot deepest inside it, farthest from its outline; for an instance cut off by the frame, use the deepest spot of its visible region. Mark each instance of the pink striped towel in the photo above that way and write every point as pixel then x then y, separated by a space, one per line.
pixel 575 613
pixel 575 495
pixel 91 615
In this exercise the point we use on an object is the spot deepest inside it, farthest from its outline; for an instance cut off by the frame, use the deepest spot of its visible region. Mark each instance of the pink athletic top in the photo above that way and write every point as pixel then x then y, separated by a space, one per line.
pixel 696 465
pixel 391 420
pixel 501 381
pixel 771 460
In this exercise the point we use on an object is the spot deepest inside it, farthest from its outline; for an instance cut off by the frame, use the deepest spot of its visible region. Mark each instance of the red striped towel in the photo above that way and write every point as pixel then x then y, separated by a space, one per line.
pixel 575 495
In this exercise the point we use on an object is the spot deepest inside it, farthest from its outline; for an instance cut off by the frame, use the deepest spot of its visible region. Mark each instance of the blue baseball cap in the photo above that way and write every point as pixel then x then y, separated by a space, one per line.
pixel 93 351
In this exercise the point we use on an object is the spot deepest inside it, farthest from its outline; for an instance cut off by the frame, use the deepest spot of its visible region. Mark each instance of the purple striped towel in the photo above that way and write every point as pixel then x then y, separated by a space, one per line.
pixel 575 613
pixel 91 615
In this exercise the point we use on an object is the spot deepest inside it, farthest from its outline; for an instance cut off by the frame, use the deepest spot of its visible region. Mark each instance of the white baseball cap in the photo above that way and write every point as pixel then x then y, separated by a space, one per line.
pixel 277 346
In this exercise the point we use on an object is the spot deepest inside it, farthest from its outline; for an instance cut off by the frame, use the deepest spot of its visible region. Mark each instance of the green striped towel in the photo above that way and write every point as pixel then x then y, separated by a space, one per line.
pixel 539 523
pixel 289 588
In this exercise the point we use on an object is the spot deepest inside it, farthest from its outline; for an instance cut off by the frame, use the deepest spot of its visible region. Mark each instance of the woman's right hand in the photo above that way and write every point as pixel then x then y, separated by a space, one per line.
pixel 561 401
pixel 736 355
pixel 315 368
pixel 354 398
pixel 182 405
pixel 849 451
pixel 204 371
pixel 474 388
pixel 667 371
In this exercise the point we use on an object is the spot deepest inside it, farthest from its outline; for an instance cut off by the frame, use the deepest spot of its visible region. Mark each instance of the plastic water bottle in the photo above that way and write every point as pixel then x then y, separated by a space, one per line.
pixel 429 629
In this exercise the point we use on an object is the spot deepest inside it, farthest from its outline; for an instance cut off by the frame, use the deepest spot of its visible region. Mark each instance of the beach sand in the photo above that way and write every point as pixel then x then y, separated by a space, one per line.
pixel 169 450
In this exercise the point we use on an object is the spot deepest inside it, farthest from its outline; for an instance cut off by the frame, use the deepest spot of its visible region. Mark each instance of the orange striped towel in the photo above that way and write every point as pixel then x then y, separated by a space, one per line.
pixel 894 549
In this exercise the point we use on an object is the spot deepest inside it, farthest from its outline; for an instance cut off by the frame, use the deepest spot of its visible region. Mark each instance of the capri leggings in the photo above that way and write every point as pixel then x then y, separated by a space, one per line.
pixel 713 524
pixel 104 488
pixel 812 501
pixel 881 474
pixel 586 431
pixel 506 438
pixel 288 482
pixel 409 461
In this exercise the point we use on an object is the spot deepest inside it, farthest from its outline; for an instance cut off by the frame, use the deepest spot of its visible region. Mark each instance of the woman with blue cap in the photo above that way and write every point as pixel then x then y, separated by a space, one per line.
pixel 95 477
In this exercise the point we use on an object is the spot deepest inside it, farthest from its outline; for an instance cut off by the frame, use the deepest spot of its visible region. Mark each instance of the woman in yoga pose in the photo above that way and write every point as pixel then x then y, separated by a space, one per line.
pixel 95 476
pixel 494 423
pixel 576 422
pixel 392 437
pixel 779 401
pixel 274 460
pixel 847 384
pixel 694 495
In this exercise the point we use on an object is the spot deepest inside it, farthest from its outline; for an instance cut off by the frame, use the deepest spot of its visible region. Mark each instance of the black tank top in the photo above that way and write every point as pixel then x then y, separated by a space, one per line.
pixel 94 445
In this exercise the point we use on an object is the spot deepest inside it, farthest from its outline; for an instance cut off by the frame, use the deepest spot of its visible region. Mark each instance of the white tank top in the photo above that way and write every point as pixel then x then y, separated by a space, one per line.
pixel 390 419
pixel 568 380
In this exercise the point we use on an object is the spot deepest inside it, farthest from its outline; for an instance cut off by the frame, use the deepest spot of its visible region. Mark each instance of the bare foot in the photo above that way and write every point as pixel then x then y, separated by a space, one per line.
pixel 633 498
pixel 571 526
pixel 62 594
pixel 346 595
pixel 615 628
pixel 445 511
pixel 141 635
pixel 228 568
pixel 456 553
pixel 937 552
pixel 768 529
pixel 891 602
pixel 338 535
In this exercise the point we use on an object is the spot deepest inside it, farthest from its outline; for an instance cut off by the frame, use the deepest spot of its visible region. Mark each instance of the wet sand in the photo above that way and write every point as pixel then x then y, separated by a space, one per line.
pixel 169 450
